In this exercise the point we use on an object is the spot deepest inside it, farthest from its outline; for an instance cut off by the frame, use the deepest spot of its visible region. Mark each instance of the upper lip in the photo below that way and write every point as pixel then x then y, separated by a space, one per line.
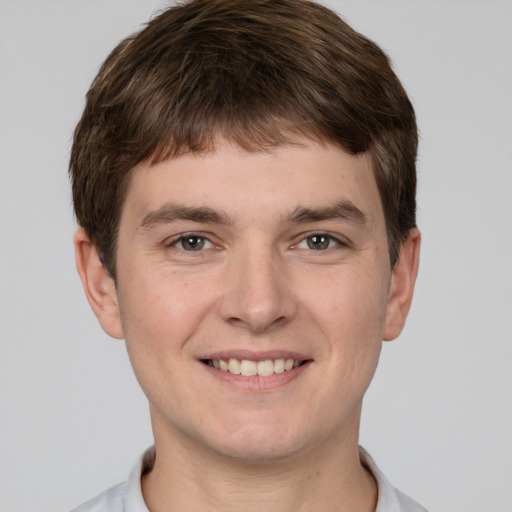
pixel 255 355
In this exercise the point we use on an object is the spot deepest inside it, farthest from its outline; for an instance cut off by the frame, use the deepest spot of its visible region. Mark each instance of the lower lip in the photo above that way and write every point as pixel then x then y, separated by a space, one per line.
pixel 256 383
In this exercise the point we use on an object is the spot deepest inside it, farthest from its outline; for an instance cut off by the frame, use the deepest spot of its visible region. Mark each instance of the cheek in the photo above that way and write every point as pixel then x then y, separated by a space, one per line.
pixel 352 306
pixel 159 316
pixel 160 311
pixel 350 314
pixel 353 322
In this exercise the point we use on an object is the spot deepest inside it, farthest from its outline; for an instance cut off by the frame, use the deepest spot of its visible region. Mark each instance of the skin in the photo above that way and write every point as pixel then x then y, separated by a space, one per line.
pixel 259 285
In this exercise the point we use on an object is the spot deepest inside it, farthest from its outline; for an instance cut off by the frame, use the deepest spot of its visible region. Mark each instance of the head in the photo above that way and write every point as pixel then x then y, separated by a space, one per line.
pixel 257 73
pixel 243 175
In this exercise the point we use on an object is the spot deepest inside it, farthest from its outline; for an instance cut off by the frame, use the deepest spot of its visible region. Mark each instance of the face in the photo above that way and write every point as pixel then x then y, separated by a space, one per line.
pixel 254 292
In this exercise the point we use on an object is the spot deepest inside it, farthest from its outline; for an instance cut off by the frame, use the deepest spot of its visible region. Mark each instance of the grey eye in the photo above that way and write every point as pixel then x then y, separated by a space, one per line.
pixel 318 242
pixel 193 243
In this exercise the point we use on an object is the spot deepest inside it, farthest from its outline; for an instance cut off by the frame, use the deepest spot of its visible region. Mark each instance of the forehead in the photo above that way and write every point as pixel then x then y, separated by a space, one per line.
pixel 307 174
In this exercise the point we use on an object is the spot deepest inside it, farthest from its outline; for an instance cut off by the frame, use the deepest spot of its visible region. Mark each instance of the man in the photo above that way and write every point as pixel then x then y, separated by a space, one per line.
pixel 244 181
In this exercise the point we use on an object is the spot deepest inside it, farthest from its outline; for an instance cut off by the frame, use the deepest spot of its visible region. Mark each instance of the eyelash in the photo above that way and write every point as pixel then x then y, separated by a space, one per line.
pixel 187 237
pixel 330 239
pixel 338 243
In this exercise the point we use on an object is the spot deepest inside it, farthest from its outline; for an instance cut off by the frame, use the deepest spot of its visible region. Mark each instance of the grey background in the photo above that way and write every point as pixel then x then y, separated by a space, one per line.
pixel 437 418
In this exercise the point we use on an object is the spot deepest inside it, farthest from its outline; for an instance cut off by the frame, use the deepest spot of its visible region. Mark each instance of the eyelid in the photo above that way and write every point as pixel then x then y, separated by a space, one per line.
pixel 173 240
pixel 338 239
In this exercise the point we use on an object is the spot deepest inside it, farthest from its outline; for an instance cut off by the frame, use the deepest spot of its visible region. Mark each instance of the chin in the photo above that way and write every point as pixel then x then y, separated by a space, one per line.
pixel 259 441
pixel 259 449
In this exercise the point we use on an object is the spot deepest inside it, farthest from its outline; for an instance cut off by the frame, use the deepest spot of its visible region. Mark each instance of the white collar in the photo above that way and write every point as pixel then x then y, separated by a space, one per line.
pixel 389 498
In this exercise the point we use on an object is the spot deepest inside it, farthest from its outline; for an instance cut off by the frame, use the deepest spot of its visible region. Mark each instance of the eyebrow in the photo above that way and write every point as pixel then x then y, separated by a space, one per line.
pixel 172 212
pixel 343 210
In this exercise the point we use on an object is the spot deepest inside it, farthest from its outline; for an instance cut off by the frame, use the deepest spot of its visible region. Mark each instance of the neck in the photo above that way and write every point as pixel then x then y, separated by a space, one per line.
pixel 319 479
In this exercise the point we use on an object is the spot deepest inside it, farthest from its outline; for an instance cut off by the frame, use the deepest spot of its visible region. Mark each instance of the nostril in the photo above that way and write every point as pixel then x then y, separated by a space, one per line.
pixel 258 326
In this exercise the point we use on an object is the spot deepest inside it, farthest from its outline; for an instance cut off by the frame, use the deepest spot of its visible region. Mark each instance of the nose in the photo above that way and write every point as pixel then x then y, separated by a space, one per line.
pixel 258 292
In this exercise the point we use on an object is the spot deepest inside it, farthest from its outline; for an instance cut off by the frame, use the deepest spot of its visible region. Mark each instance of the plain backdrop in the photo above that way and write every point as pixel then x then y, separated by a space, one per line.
pixel 438 416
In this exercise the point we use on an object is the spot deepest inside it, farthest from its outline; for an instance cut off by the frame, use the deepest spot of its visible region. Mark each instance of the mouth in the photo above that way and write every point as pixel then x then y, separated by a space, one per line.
pixel 251 368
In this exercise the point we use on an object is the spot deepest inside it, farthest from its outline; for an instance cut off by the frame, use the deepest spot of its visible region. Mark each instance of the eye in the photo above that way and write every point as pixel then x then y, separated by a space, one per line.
pixel 192 243
pixel 319 242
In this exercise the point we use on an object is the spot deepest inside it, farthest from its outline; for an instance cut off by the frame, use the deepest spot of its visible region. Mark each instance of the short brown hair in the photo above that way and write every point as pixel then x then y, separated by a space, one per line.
pixel 257 72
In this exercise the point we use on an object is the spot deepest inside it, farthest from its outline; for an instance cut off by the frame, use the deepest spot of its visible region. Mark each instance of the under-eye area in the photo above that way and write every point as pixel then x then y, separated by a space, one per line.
pixel 249 368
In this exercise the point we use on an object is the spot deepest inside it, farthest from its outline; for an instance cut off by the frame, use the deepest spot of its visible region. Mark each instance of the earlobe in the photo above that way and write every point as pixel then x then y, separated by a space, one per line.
pixel 99 287
pixel 401 289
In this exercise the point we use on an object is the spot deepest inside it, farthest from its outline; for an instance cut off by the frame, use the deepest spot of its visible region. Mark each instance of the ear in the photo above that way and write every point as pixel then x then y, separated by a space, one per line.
pixel 99 287
pixel 401 288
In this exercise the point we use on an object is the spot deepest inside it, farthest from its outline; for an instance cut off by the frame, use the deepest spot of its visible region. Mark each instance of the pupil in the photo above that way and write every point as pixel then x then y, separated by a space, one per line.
pixel 193 243
pixel 318 242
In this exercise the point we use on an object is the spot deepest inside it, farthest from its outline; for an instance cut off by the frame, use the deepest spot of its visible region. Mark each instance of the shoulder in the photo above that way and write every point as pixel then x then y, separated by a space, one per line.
pixel 125 497
pixel 112 500
pixel 390 499
pixel 407 504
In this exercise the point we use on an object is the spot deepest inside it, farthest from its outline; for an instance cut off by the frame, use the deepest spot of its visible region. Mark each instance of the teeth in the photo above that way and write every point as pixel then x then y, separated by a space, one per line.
pixel 234 366
pixel 288 364
pixel 266 368
pixel 250 368
pixel 279 365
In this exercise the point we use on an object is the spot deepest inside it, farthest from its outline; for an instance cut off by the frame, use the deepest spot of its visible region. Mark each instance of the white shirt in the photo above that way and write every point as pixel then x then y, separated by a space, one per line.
pixel 127 496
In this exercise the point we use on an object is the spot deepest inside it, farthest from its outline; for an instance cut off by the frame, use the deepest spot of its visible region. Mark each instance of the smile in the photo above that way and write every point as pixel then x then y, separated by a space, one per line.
pixel 249 368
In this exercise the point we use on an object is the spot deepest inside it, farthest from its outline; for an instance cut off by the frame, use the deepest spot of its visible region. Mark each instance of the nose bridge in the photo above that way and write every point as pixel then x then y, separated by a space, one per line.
pixel 258 295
